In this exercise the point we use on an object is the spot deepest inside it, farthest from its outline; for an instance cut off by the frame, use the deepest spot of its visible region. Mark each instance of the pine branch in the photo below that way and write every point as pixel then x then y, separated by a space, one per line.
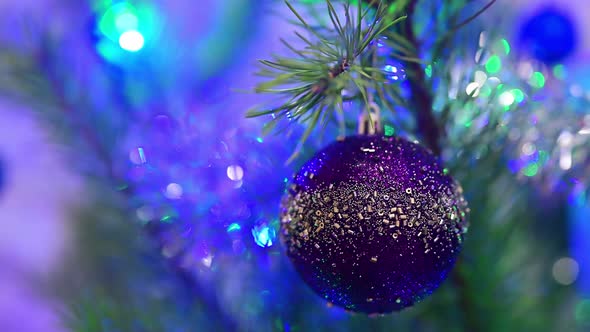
pixel 112 254
pixel 445 39
pixel 43 59
pixel 33 79
pixel 472 17
pixel 431 131
pixel 313 79
pixel 422 99
pixel 467 308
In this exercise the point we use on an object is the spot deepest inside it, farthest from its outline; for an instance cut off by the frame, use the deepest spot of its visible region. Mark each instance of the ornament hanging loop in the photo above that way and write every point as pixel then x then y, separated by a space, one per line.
pixel 370 120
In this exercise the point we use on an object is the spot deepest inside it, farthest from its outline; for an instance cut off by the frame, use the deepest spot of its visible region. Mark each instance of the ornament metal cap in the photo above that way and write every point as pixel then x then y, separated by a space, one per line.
pixel 370 120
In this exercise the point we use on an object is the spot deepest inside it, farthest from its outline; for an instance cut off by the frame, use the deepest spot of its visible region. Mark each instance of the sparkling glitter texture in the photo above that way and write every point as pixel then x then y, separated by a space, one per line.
pixel 373 224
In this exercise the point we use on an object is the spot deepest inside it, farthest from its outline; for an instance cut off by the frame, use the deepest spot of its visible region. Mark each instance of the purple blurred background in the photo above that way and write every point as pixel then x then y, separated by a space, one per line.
pixel 35 209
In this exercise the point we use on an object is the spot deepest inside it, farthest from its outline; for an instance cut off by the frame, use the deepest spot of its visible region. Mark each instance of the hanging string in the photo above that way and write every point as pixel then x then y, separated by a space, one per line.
pixel 369 122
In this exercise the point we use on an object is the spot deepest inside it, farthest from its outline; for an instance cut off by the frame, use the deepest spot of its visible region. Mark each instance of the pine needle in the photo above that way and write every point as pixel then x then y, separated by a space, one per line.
pixel 314 75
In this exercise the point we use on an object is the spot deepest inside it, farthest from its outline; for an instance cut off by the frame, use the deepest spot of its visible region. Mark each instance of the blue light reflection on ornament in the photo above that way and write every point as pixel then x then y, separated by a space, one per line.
pixel 550 35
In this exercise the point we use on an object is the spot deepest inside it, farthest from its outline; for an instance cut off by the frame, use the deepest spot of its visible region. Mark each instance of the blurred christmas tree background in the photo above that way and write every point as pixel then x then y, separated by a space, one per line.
pixel 135 195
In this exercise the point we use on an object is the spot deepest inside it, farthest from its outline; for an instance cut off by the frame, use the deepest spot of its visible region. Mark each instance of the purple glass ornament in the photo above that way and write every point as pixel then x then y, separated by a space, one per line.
pixel 372 223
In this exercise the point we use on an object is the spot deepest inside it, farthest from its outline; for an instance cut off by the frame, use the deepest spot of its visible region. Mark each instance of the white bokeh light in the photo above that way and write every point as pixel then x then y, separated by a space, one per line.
pixel 506 98
pixel 235 172
pixel 174 191
pixel 565 271
pixel 131 41
pixel 472 89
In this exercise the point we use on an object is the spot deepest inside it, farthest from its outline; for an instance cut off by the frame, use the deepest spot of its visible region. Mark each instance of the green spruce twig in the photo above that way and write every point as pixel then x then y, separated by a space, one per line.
pixel 313 78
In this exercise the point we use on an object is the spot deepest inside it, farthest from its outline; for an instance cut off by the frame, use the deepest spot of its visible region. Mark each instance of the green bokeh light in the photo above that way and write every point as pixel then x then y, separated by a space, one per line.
pixel 392 8
pixel 126 21
pixel 167 219
pixel 506 46
pixel 543 157
pixel 389 130
pixel 559 72
pixel 494 64
pixel 117 19
pixel 125 26
pixel 234 227
pixel 485 91
pixel 518 95
pixel 106 49
pixel 537 80
pixel 428 71
pixel 531 170
pixel 583 312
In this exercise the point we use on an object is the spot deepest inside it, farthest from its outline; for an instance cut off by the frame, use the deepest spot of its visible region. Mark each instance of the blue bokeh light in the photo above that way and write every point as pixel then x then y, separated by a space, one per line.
pixel 550 35
pixel 264 235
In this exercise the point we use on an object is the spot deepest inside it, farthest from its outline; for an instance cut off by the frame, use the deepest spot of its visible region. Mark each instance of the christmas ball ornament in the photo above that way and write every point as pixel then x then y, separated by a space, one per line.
pixel 550 35
pixel 372 223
